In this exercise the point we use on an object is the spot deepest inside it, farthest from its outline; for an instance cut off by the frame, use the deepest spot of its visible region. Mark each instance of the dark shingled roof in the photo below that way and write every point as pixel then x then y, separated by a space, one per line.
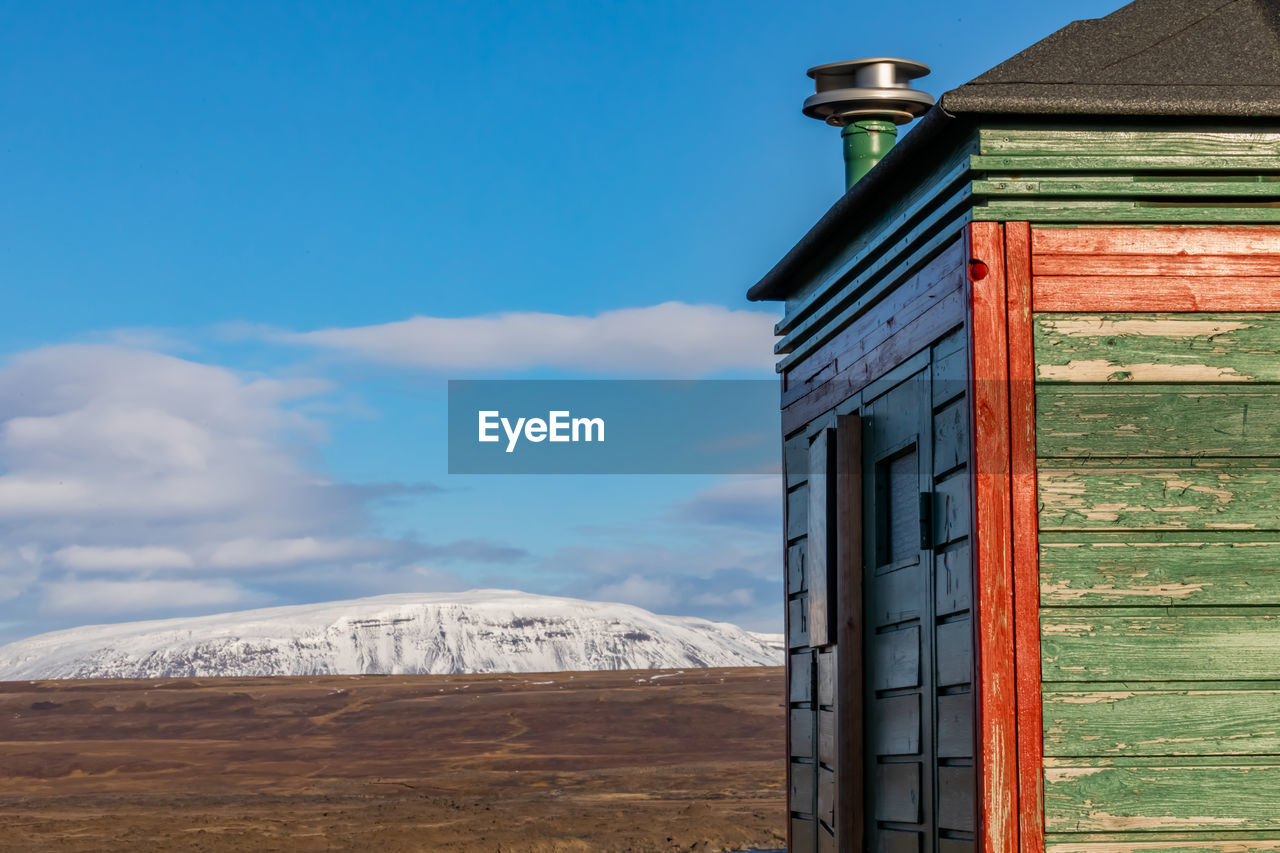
pixel 1152 58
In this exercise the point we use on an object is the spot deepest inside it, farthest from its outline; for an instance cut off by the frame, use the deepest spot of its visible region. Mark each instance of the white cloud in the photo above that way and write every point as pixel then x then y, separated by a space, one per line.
pixel 669 339
pixel 19 569
pixel 751 502
pixel 114 597
pixel 144 558
pixel 241 553
pixel 740 597
pixel 164 473
pixel 640 591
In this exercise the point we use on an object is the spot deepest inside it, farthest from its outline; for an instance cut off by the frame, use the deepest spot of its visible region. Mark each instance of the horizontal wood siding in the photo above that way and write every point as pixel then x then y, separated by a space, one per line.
pixel 1158 470
pixel 1109 174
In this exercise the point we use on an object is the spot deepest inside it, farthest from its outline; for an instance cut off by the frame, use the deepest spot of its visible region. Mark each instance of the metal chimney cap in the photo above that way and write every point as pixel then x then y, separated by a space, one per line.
pixel 858 89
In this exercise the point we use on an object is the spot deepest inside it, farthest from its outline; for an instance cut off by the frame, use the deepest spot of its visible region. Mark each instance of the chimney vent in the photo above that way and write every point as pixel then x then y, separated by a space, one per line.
pixel 868 98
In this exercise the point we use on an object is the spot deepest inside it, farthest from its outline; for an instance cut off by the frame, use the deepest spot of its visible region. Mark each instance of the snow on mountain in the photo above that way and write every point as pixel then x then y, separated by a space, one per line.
pixel 476 631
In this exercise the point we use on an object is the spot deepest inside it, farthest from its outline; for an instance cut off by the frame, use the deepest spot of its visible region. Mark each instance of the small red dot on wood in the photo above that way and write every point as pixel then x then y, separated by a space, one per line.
pixel 977 270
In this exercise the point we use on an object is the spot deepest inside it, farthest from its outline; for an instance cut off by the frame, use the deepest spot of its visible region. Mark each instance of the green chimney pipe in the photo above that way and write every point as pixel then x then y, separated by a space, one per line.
pixel 865 144
pixel 867 99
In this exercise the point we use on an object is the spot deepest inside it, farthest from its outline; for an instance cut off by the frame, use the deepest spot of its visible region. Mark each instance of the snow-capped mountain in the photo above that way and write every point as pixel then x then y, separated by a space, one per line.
pixel 476 631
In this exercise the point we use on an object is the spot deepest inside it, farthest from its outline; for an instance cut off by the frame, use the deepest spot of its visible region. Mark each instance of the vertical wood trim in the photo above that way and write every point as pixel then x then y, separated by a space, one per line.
pixel 786 628
pixel 1026 545
pixel 993 557
pixel 821 549
pixel 851 740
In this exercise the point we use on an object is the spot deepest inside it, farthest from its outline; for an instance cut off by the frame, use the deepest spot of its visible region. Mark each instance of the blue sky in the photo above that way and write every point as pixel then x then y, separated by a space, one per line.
pixel 220 221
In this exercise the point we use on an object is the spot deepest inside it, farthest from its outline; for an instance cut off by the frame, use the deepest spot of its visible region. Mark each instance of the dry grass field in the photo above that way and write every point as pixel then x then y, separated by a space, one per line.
pixel 605 761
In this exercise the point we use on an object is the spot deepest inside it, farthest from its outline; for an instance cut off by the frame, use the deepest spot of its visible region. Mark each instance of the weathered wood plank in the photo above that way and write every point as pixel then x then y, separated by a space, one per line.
pixel 802 741
pixel 897 725
pixel 795 459
pixel 1154 293
pixel 826 687
pixel 1127 185
pixel 797 623
pixel 950 437
pixel 826 840
pixel 796 568
pixel 996 689
pixel 1023 164
pixel 954 845
pixel 1209 494
pixel 898 795
pixel 940 319
pixel 1157 240
pixel 821 547
pixel 1210 266
pixel 1166 573
pixel 953 580
pixel 897 841
pixel 895 596
pixel 952 500
pixel 797 512
pixel 897 658
pixel 1243 843
pixel 955 653
pixel 851 613
pixel 1106 210
pixel 801 667
pixel 956 805
pixel 802 839
pixel 826 796
pixel 902 305
pixel 1199 348
pixel 1121 645
pixel 1157 420
pixel 1190 142
pixel 955 725
pixel 827 738
pixel 1211 719
pixel 1111 799
pixel 1024 508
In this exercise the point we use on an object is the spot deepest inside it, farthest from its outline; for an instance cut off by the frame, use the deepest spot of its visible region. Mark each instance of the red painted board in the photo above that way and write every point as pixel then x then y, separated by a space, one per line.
pixel 1213 266
pixel 1097 294
pixel 1159 240
pixel 1165 268
pixel 993 557
pixel 1025 542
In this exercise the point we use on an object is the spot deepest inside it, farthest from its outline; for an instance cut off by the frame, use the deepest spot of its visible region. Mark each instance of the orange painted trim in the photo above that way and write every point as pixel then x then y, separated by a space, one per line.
pixel 1026 544
pixel 993 557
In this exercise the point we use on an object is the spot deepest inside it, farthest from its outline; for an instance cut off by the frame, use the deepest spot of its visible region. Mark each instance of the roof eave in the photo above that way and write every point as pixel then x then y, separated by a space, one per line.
pixel 1147 101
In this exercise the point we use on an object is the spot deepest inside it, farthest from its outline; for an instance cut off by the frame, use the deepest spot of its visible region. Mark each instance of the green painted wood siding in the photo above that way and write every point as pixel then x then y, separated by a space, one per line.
pixel 1117 174
pixel 1158 437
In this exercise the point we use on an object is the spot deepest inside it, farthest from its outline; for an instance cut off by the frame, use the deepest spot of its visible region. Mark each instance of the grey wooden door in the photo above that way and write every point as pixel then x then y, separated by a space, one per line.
pixel 917 631
pixel 899 680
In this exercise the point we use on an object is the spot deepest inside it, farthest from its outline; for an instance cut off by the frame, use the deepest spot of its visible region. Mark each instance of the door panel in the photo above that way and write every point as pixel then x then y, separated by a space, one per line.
pixel 899 681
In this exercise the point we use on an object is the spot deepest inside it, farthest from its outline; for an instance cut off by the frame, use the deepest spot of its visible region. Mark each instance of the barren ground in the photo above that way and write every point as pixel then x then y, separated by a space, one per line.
pixel 603 761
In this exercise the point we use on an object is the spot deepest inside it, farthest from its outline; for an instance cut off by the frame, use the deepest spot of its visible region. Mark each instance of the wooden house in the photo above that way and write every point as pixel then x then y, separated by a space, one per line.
pixel 1031 419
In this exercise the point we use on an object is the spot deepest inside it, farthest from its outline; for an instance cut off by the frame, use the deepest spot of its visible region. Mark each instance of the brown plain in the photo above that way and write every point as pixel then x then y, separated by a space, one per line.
pixel 585 761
